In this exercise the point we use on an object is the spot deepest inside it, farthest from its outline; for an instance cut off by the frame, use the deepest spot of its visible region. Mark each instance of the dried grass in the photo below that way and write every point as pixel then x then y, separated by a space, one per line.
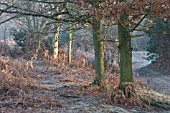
pixel 16 79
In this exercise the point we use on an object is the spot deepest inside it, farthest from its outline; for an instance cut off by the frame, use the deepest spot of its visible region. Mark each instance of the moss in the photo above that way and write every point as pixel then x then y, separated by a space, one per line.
pixel 99 55
pixel 126 74
pixel 159 104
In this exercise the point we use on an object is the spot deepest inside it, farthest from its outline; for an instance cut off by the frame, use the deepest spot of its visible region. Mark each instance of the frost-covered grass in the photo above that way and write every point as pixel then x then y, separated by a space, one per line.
pixel 138 59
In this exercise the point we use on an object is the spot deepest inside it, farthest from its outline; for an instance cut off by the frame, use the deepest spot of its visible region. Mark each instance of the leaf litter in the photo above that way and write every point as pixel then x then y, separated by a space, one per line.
pixel 61 89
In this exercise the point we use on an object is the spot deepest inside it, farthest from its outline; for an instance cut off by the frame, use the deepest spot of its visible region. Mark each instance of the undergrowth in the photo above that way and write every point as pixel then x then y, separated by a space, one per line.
pixel 137 90
pixel 17 80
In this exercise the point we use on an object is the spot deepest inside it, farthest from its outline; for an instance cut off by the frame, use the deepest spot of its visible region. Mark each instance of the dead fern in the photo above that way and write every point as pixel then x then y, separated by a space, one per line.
pixel 16 78
pixel 127 97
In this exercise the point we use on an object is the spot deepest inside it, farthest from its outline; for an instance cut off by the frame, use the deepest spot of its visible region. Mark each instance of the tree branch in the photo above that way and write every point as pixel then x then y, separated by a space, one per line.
pixel 136 36
pixel 16 16
pixel 50 2
pixel 36 14
pixel 138 23
pixel 108 41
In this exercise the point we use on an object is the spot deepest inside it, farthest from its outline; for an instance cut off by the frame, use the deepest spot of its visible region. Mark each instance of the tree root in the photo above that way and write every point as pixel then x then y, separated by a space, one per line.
pixel 154 103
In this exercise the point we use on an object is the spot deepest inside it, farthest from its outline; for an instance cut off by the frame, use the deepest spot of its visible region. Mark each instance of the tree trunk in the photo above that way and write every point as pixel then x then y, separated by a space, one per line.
pixel 99 55
pixel 126 74
pixel 70 45
pixel 56 42
pixel 56 37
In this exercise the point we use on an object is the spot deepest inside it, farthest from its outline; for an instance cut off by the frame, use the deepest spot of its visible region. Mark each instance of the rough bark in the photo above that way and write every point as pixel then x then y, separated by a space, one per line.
pixel 99 55
pixel 70 45
pixel 126 74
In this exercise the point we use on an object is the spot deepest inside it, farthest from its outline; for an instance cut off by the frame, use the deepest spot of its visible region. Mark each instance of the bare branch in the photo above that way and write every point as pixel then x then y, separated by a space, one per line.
pixel 138 23
pixel 16 16
pixel 50 2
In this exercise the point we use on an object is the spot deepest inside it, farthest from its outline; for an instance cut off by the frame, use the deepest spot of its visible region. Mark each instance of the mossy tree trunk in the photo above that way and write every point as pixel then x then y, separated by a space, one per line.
pixel 99 55
pixel 70 45
pixel 126 74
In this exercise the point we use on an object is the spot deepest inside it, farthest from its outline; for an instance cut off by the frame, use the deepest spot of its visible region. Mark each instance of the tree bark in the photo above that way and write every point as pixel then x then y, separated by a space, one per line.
pixel 56 42
pixel 56 36
pixel 99 55
pixel 126 74
pixel 70 45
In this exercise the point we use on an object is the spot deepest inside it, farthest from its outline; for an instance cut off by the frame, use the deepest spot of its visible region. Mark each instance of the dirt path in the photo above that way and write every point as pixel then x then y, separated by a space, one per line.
pixel 73 99
pixel 155 80
pixel 64 90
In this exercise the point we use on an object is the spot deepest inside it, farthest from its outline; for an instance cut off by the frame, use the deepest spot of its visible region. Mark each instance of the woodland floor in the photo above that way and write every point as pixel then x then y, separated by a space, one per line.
pixel 63 90
pixel 63 94
pixel 145 72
